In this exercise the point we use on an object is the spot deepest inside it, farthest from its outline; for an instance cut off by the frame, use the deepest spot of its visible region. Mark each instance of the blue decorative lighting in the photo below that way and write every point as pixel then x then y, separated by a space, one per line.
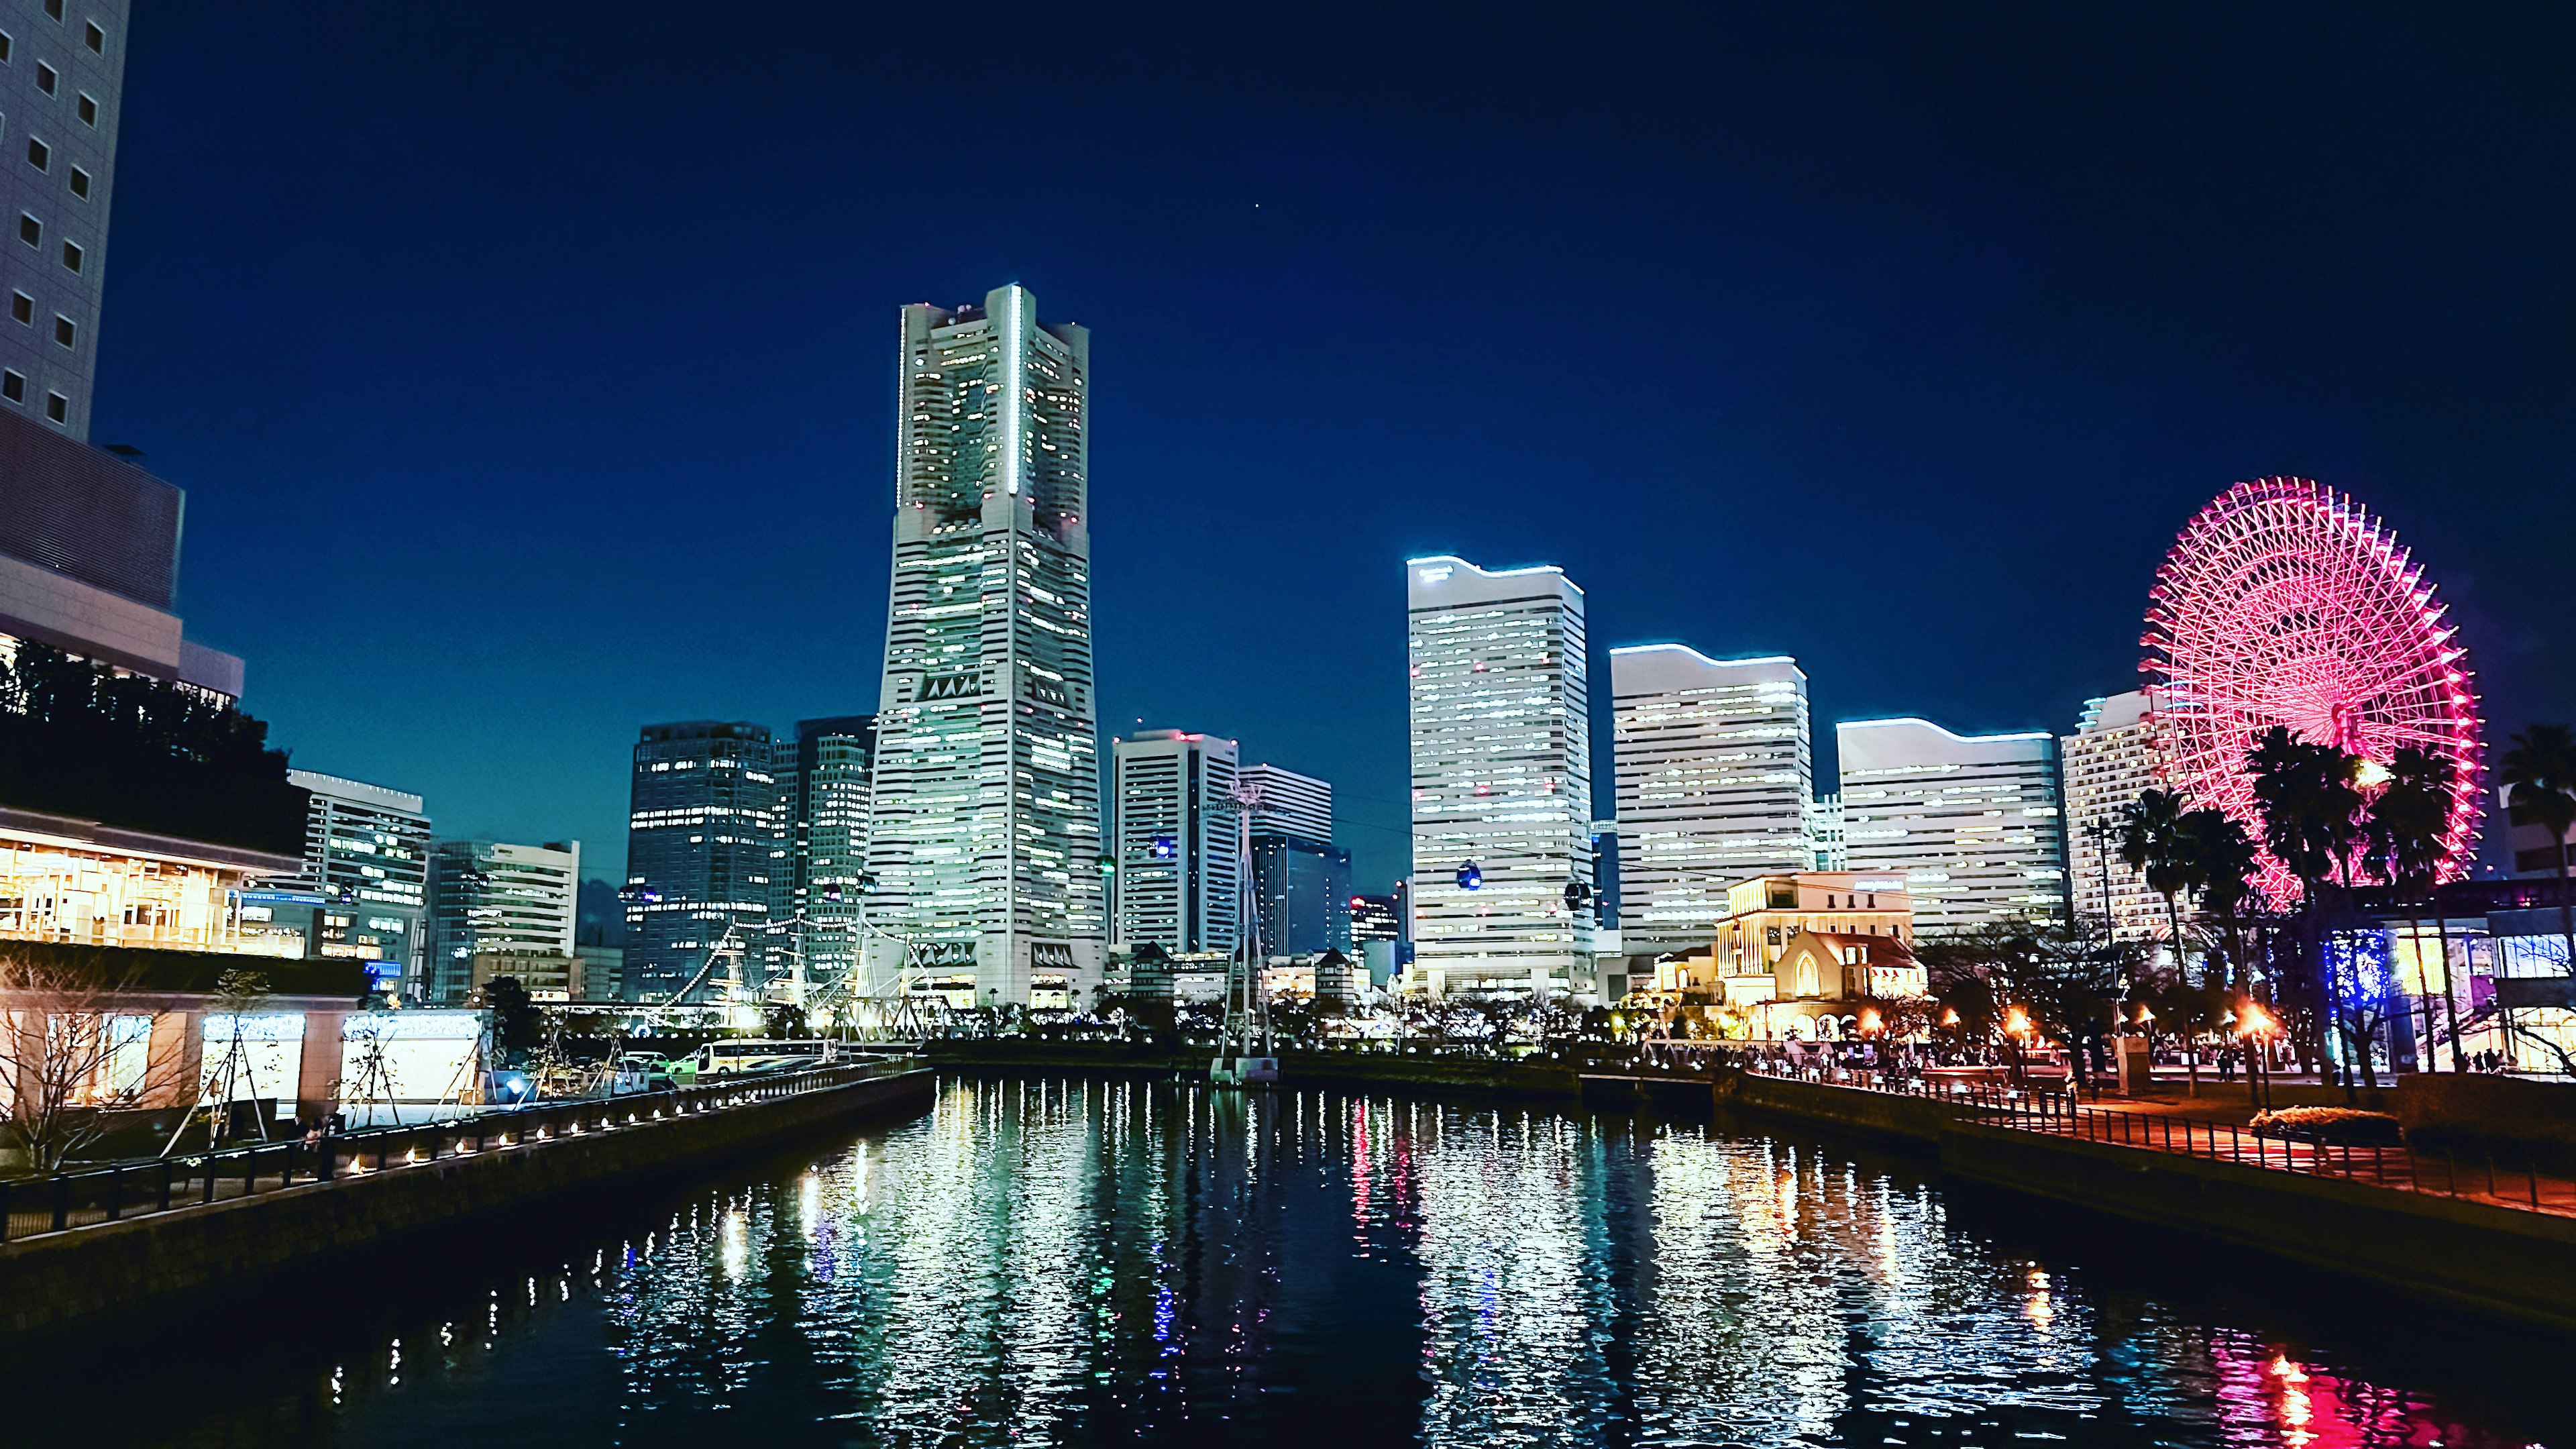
pixel 1470 878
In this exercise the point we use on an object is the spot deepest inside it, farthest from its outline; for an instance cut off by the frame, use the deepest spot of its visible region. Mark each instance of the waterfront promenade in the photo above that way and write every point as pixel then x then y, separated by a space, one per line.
pixel 117 1238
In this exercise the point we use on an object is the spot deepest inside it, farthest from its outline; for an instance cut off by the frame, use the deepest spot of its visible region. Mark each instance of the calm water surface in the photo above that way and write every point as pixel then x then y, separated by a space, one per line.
pixel 1072 1262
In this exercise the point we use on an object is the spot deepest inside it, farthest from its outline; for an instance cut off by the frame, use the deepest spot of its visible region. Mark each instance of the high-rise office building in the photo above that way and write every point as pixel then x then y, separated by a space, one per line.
pixel 703 845
pixel 829 824
pixel 1502 777
pixel 1971 822
pixel 1376 918
pixel 62 72
pixel 2114 756
pixel 1825 833
pixel 494 899
pixel 1716 779
pixel 1301 880
pixel 1178 882
pixel 1291 804
pixel 984 821
pixel 366 853
pixel 1301 894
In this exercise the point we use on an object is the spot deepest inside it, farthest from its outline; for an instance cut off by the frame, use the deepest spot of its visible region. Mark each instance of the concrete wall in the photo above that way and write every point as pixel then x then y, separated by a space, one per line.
pixel 48 1280
pixel 2476 1256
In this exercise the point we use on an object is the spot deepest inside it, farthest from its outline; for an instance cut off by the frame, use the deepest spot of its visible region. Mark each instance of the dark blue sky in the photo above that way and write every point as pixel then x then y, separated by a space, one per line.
pixel 529 367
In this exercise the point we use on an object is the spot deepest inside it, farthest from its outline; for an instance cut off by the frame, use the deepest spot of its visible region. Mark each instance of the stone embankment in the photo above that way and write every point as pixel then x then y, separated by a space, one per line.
pixel 2477 1255
pixel 53 1279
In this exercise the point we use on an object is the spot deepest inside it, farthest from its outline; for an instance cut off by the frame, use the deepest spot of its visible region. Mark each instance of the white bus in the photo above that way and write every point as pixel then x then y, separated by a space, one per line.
pixel 737 1055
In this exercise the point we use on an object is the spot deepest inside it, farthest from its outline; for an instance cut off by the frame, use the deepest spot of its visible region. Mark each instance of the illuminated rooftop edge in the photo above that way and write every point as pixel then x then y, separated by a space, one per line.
pixel 1704 659
pixel 1865 724
pixel 1451 558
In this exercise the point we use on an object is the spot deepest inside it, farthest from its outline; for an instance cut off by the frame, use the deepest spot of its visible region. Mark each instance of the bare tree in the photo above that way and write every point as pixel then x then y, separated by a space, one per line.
pixel 75 1045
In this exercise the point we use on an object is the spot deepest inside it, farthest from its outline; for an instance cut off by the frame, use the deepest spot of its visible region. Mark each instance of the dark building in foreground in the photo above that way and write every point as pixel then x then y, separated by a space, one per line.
pixel 705 845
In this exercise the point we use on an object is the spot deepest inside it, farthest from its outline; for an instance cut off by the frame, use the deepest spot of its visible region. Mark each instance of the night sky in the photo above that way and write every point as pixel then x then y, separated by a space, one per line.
pixel 530 368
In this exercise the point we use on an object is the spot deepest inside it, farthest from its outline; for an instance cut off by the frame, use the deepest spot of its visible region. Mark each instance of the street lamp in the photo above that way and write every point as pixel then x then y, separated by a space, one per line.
pixel 2255 1024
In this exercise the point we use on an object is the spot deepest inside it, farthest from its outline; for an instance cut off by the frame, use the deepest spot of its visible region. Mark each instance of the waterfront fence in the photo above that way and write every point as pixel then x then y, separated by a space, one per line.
pixel 89 1196
pixel 2483 1175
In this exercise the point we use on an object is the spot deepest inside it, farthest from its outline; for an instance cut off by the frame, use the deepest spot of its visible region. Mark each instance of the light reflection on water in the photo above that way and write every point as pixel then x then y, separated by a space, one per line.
pixel 1073 1262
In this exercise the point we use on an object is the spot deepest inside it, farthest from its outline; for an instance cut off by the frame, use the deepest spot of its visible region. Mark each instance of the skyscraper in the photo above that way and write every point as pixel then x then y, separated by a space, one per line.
pixel 828 822
pixel 366 852
pixel 984 826
pixel 1291 804
pixel 61 79
pixel 1301 894
pixel 1178 882
pixel 1971 822
pixel 702 842
pixel 491 898
pixel 1301 880
pixel 1716 779
pixel 1502 776
pixel 2113 757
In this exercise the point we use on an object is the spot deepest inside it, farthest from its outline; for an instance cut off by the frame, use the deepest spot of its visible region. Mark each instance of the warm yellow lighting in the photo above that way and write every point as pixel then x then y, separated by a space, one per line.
pixel 2016 1022
pixel 1869 1020
pixel 2145 1015
pixel 1950 1017
pixel 2254 1021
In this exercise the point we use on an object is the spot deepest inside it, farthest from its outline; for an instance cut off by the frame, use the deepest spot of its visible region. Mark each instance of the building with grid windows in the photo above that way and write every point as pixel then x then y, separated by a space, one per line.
pixel 62 70
pixel 2115 755
pixel 984 824
pixel 89 541
pixel 705 843
pixel 366 854
pixel 1502 778
pixel 491 901
pixel 1715 784
pixel 1970 823
pixel 827 785
pixel 1178 885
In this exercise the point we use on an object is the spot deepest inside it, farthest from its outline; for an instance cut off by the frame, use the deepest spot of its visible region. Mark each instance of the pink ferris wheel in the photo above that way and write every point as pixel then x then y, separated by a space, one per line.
pixel 2283 603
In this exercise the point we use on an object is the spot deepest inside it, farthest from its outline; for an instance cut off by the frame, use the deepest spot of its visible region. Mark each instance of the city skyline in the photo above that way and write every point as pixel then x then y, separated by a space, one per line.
pixel 2033 430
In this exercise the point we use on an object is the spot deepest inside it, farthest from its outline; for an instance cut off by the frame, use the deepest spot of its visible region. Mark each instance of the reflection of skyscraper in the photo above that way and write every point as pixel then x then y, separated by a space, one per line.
pixel 1970 821
pixel 1502 775
pixel 1714 780
pixel 1178 887
pixel 984 826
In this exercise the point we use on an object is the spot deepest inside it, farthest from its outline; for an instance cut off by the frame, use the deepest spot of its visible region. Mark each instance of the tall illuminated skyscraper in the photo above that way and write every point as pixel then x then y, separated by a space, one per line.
pixel 984 831
pixel 1716 778
pixel 1972 822
pixel 1502 777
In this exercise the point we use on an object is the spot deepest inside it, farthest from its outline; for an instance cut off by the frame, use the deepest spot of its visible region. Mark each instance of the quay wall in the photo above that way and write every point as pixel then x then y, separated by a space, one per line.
pixel 49 1280
pixel 2470 1255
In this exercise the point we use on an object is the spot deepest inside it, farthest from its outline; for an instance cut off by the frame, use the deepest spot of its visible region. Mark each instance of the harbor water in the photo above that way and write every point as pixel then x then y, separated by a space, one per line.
pixel 1066 1262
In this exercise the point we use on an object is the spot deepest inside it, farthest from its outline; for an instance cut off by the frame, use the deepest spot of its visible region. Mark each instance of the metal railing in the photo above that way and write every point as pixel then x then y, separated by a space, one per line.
pixel 2481 1177
pixel 77 1199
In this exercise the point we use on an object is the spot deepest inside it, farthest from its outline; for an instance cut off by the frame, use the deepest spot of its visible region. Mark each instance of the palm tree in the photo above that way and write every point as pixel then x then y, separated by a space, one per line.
pixel 2407 827
pixel 2223 857
pixel 2311 809
pixel 2152 843
pixel 2539 775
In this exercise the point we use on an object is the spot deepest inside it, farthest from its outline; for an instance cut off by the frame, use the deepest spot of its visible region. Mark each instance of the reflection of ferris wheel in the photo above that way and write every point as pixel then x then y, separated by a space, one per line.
pixel 2283 603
